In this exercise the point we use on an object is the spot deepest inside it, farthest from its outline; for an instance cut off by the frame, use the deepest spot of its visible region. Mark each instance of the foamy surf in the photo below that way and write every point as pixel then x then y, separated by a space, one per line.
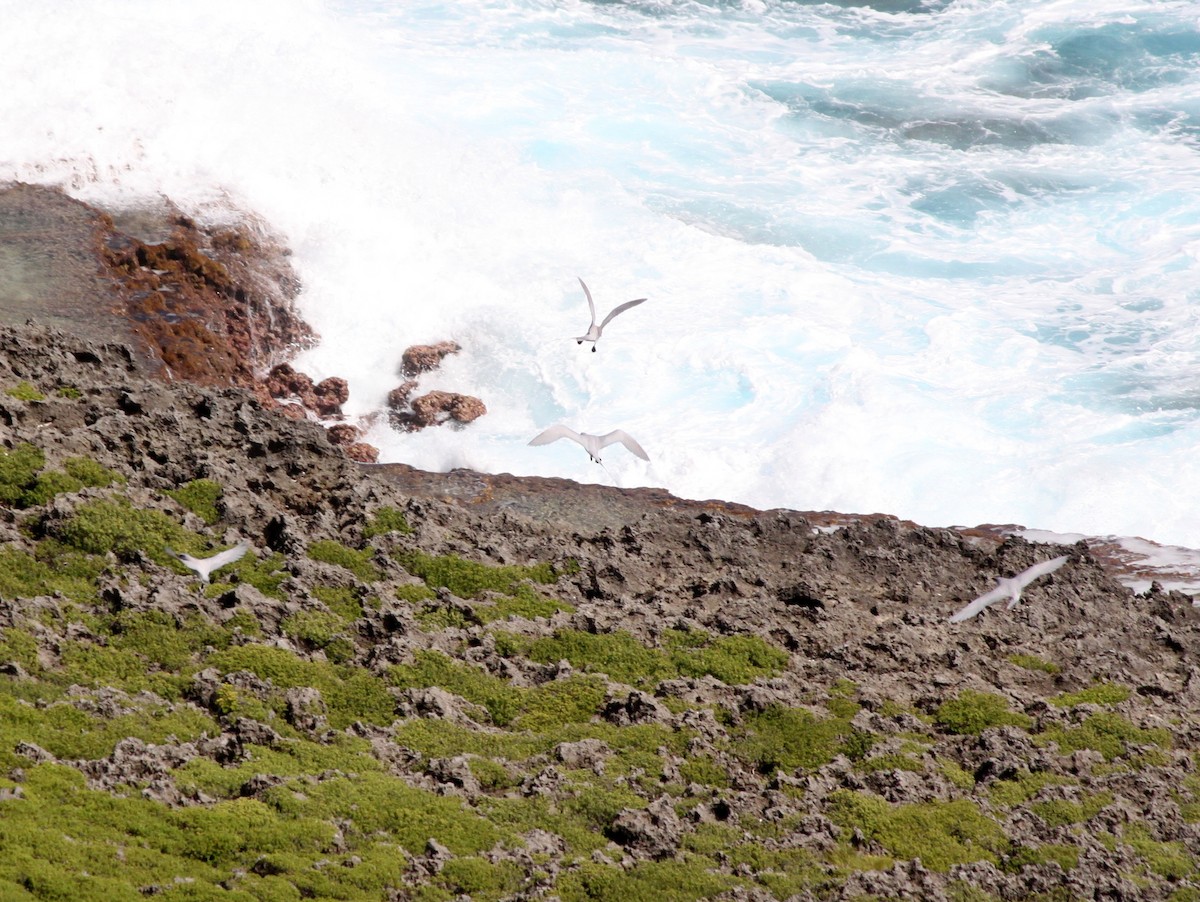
pixel 933 259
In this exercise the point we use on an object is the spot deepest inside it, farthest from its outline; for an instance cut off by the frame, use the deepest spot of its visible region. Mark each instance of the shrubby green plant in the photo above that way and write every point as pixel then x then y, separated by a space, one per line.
pixel 1033 662
pixel 1106 732
pixel 200 496
pixel 733 659
pixel 24 484
pixel 941 834
pixel 780 738
pixel 114 524
pixel 385 520
pixel 1169 859
pixel 357 562
pixel 341 600
pixel 350 693
pixel 683 880
pixel 25 391
pixel 1099 694
pixel 973 712
pixel 1060 812
pixel 468 579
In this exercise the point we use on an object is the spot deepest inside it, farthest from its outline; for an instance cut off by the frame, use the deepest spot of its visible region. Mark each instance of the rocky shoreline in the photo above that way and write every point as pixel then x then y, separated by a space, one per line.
pixel 439 686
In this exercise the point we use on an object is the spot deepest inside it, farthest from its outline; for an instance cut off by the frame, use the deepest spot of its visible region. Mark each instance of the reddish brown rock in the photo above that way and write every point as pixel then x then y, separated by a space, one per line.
pixel 423 358
pixel 397 399
pixel 437 407
pixel 283 381
pixel 293 411
pixel 213 305
pixel 362 452
pixel 329 395
pixel 343 434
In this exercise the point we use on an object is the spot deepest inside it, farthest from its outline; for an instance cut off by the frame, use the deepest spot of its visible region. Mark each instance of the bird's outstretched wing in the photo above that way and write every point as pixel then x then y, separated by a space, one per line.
pixel 228 556
pixel 620 309
pixel 206 565
pixel 1010 588
pixel 1025 577
pixel 554 433
pixel 620 435
pixel 986 599
pixel 591 306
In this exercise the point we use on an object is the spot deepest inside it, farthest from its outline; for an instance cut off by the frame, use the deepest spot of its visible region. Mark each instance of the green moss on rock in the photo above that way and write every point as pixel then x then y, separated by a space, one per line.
pixel 357 562
pixel 201 497
pixel 385 520
pixel 468 579
pixel 1100 694
pixel 1106 732
pixel 941 834
pixel 973 712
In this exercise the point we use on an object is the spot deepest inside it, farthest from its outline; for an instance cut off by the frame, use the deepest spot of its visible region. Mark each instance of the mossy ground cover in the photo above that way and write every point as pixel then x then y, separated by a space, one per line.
pixel 735 659
pixel 786 739
pixel 61 840
pixel 25 483
pixel 941 834
pixel 494 592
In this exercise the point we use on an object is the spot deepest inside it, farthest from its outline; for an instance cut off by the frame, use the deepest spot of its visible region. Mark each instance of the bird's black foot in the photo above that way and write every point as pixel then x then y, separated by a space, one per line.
pixel 579 342
pixel 593 349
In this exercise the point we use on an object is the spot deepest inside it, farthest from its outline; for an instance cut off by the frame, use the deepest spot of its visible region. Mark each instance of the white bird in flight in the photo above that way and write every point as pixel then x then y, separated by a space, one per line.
pixel 594 332
pixel 591 443
pixel 204 566
pixel 1009 587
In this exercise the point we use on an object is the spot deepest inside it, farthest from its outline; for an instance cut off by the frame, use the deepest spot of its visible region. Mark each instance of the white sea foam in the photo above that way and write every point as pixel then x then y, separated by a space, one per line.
pixel 941 264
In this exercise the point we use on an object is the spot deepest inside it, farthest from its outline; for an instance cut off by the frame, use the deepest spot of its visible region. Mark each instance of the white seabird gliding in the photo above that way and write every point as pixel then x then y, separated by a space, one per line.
pixel 591 443
pixel 595 331
pixel 204 566
pixel 1009 587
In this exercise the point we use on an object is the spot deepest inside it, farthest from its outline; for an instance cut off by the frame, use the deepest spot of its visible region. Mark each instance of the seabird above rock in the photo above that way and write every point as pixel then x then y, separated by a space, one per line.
pixel 204 566
pixel 1009 587
pixel 591 443
pixel 594 332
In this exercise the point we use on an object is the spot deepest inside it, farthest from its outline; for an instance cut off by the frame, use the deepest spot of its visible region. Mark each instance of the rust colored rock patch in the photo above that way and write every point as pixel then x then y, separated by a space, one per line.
pixel 214 306
pixel 433 408
pixel 437 407
pixel 424 358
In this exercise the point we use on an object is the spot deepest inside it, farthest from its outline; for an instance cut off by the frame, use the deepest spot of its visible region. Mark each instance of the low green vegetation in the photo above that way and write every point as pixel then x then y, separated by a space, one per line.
pixel 1061 812
pixel 341 600
pixel 973 712
pixel 1106 732
pixel 735 660
pixel 386 520
pixel 941 834
pixel 114 525
pixel 25 391
pixel 467 579
pixel 357 562
pixel 780 738
pixel 1169 859
pixel 1100 694
pixel 1021 788
pixel 1033 662
pixel 25 483
pixel 1066 857
pixel 321 630
pixel 350 693
pixel 201 497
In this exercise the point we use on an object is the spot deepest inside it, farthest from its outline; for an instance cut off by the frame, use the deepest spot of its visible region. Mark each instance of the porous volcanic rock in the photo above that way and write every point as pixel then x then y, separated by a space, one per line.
pixel 437 407
pixel 424 358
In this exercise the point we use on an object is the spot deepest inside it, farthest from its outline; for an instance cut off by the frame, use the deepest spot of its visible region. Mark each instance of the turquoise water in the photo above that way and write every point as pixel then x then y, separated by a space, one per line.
pixel 937 259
